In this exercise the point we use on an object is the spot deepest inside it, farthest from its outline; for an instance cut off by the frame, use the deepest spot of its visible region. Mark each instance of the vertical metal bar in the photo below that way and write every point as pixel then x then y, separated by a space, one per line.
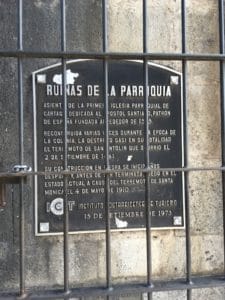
pixel 107 163
pixel 186 175
pixel 147 158
pixel 65 203
pixel 222 101
pixel 21 147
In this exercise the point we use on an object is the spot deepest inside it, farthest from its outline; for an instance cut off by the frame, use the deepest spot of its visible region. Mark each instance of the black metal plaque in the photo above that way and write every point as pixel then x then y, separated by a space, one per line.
pixel 86 146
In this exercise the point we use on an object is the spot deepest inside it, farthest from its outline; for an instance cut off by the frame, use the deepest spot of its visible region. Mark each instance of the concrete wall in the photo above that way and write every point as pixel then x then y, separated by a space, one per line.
pixel 44 254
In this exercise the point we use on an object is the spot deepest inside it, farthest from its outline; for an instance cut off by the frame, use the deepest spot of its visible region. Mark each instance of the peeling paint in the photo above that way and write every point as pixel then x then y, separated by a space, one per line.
pixel 120 223
pixel 129 157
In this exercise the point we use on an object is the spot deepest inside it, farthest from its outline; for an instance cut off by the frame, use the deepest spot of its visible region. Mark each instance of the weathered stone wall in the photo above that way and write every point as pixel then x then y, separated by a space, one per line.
pixel 204 146
pixel 44 263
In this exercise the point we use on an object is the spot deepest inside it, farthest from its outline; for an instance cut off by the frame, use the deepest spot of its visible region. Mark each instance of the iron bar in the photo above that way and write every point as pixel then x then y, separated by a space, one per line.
pixel 111 171
pixel 65 202
pixel 134 288
pixel 222 101
pixel 21 107
pixel 21 148
pixel 112 55
pixel 185 114
pixel 146 150
pixel 107 162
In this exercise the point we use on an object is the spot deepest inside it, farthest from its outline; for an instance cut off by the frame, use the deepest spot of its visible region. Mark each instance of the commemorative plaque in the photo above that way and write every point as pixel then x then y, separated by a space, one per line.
pixel 86 146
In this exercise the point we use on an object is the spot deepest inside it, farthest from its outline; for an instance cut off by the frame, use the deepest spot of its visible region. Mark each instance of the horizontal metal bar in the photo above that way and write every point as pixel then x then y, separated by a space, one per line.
pixel 112 55
pixel 14 177
pixel 132 289
pixel 112 171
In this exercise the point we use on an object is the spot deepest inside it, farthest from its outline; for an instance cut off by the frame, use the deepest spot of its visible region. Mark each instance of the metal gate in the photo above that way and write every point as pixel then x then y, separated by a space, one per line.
pixel 22 173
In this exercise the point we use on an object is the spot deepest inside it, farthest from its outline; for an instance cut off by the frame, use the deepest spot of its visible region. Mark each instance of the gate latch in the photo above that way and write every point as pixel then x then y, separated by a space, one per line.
pixel 18 173
pixel 21 168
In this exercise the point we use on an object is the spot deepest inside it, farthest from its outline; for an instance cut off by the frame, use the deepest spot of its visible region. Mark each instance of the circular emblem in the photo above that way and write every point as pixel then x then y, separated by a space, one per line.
pixel 56 206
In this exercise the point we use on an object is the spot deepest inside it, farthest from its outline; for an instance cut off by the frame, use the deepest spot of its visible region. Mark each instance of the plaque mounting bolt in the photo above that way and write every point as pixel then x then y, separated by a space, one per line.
pixel 44 227
pixel 41 78
pixel 174 80
pixel 177 220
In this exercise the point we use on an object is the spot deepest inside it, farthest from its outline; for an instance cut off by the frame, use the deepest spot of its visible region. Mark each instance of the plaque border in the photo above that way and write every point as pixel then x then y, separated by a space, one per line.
pixel 35 181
